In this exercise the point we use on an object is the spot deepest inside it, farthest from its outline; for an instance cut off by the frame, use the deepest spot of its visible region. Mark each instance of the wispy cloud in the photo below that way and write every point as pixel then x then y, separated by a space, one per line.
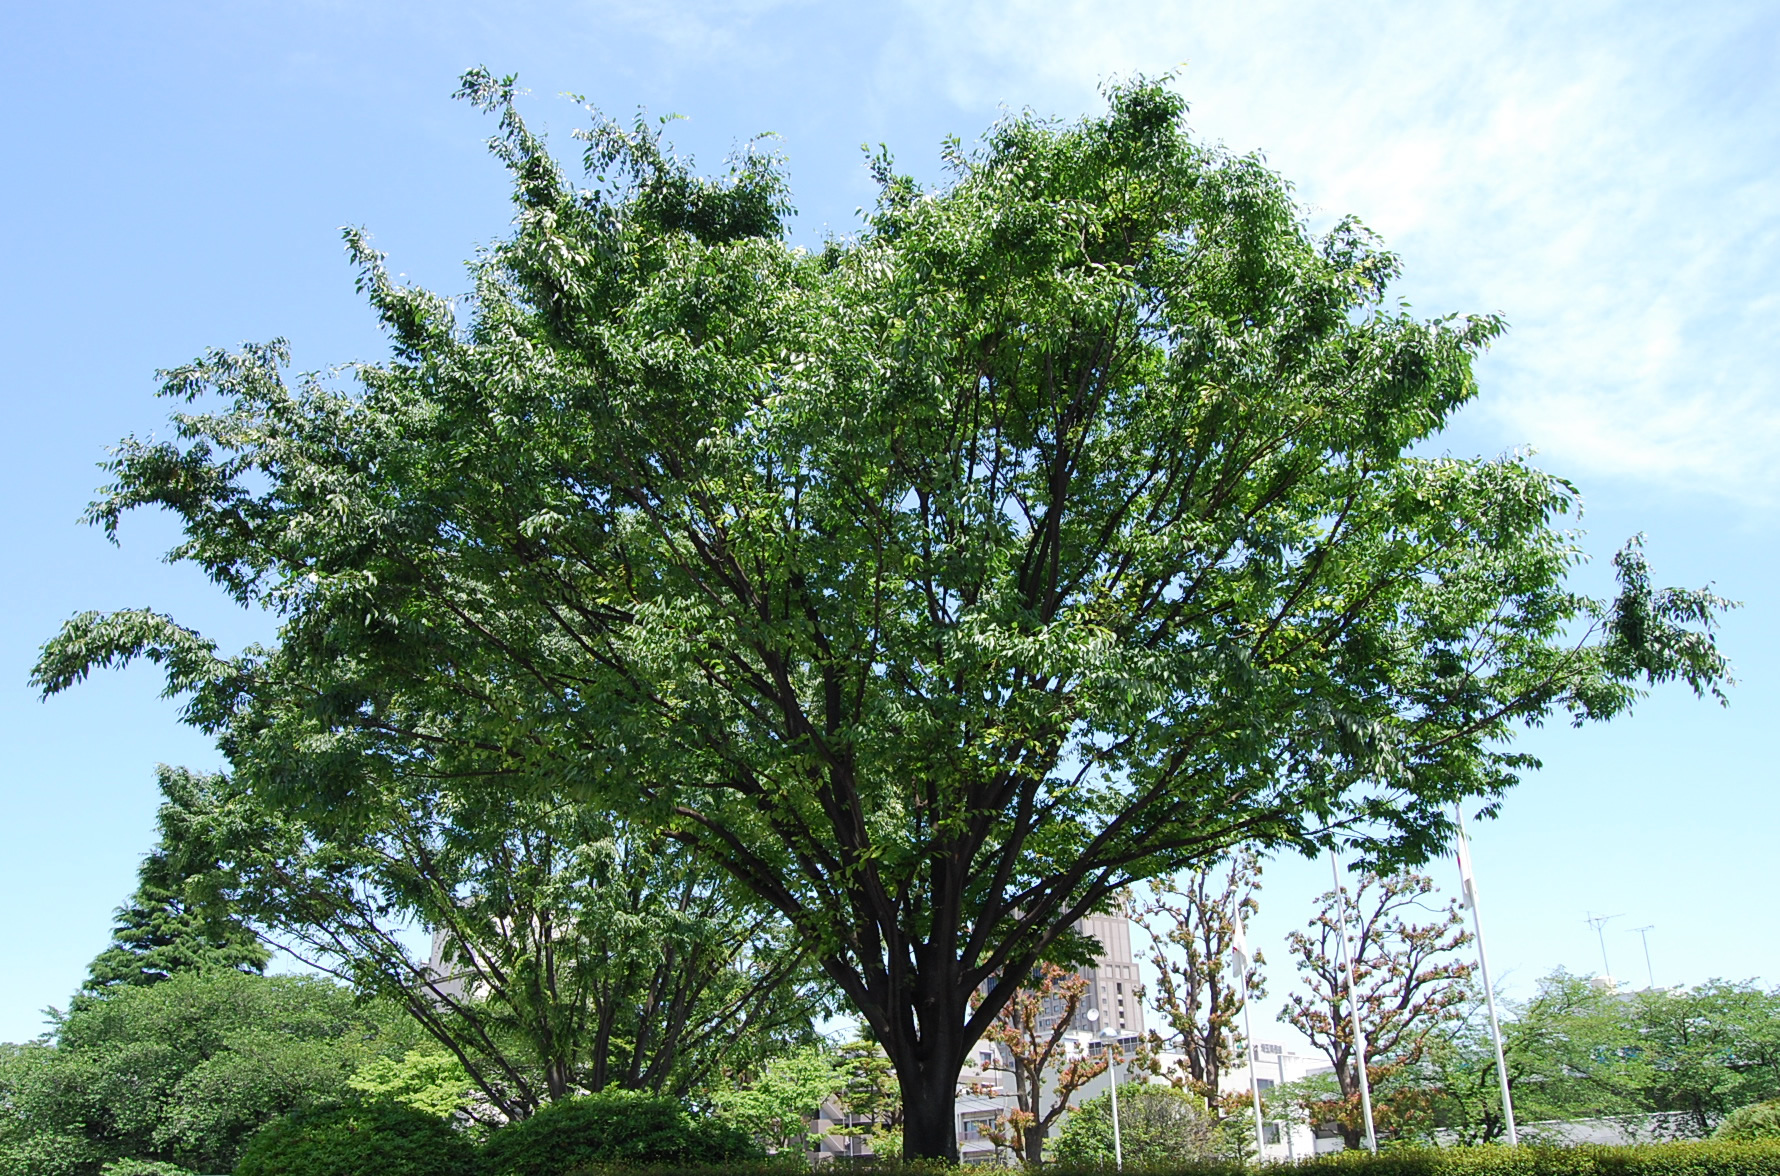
pixel 1603 175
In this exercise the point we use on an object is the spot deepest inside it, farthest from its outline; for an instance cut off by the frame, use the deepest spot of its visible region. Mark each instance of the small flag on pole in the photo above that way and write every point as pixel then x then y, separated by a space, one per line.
pixel 1466 881
pixel 1239 948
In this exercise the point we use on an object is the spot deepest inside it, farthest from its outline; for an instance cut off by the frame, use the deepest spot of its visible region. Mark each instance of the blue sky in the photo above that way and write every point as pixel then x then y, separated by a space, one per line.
pixel 1605 176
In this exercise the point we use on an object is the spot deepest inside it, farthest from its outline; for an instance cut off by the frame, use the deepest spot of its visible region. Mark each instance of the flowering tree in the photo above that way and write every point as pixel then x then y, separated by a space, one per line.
pixel 1191 923
pixel 1031 1031
pixel 1406 983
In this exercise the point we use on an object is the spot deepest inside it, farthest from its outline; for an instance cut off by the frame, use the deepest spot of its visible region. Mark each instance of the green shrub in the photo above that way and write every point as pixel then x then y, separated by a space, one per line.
pixel 1754 1122
pixel 1157 1125
pixel 794 1163
pixel 1698 1158
pixel 790 1163
pixel 612 1128
pixel 380 1139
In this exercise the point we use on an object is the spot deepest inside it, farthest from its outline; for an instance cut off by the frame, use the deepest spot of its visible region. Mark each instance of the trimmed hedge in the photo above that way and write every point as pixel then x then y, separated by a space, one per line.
pixel 784 1164
pixel 1709 1157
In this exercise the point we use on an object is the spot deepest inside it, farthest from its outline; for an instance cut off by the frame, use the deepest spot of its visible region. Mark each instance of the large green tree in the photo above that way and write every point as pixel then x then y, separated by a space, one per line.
pixel 1060 528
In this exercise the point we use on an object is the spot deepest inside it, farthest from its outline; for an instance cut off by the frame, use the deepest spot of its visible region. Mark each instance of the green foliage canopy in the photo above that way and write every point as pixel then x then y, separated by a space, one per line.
pixel 1059 529
pixel 184 1071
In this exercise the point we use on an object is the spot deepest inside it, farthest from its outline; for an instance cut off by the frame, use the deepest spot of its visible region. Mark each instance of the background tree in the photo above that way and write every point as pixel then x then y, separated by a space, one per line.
pixel 1029 1032
pixel 1582 1049
pixel 1059 530
pixel 1566 1051
pixel 571 952
pixel 175 922
pixel 1705 1051
pixel 184 1071
pixel 1407 985
pixel 778 1106
pixel 870 1095
pixel 1459 1064
pixel 1190 921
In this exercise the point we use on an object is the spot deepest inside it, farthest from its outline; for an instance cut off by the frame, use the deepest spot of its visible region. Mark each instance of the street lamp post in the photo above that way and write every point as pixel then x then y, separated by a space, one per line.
pixel 1112 1075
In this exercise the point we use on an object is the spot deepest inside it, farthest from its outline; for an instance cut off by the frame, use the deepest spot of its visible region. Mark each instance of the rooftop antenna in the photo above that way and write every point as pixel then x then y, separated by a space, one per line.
pixel 1644 934
pixel 1598 922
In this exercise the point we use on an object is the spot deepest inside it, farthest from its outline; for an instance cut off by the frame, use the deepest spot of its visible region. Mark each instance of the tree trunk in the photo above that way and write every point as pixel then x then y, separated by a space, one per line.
pixel 1035 1145
pixel 930 1109
pixel 930 1122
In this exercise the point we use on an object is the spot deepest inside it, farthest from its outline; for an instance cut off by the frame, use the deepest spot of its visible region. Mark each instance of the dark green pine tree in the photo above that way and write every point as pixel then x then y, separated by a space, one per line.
pixel 176 921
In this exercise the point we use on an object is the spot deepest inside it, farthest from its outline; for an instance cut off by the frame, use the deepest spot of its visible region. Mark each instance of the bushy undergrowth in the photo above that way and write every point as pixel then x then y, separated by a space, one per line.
pixel 384 1139
pixel 143 1168
pixel 613 1128
pixel 1748 1124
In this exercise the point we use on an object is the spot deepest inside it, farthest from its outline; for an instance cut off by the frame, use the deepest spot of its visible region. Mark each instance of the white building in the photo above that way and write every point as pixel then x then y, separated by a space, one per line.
pixel 1276 1065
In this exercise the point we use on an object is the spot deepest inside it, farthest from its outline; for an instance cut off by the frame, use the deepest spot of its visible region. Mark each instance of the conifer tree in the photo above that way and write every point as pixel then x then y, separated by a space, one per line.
pixel 174 922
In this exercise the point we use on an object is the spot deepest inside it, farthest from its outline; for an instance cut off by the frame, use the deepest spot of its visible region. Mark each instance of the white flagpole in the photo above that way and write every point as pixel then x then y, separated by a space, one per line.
pixel 1468 885
pixel 1353 1005
pixel 1240 951
pixel 1112 1075
pixel 1285 1125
